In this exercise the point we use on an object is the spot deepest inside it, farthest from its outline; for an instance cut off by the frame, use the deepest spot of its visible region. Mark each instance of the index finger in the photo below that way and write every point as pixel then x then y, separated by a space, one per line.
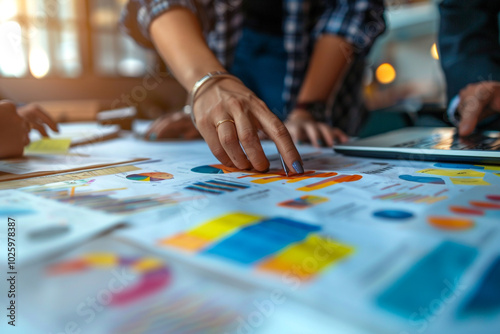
pixel 278 133
pixel 46 119
pixel 471 110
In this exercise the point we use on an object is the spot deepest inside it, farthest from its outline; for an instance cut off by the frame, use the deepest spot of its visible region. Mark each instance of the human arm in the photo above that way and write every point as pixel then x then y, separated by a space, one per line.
pixel 470 57
pixel 219 99
pixel 346 30
pixel 14 131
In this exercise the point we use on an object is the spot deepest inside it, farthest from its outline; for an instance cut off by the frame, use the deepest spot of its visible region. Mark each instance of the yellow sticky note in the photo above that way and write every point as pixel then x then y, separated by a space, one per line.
pixel 452 172
pixel 469 181
pixel 48 146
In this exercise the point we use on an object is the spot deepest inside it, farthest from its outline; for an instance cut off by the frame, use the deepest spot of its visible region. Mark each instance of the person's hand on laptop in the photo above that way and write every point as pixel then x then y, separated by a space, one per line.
pixel 37 118
pixel 477 102
pixel 14 131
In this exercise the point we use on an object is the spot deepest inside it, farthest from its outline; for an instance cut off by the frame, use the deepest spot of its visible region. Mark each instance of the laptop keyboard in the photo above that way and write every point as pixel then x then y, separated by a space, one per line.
pixel 478 142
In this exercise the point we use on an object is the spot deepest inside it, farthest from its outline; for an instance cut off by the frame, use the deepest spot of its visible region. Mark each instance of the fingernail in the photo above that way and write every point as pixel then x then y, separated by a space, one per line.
pixel 298 167
pixel 152 136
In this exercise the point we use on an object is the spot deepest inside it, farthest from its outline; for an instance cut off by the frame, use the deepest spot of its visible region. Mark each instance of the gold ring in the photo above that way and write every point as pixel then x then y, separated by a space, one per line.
pixel 223 121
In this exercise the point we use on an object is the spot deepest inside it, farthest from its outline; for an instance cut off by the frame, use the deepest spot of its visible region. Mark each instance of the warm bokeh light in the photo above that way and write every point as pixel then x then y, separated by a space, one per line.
pixel 385 73
pixel 12 57
pixel 8 9
pixel 39 63
pixel 434 51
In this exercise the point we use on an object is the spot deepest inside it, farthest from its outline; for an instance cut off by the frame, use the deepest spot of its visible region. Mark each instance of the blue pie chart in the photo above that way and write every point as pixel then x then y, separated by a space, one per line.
pixel 207 170
pixel 422 179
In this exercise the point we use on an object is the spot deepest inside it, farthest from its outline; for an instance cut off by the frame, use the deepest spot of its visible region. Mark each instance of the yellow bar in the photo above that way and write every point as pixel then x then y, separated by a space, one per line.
pixel 308 258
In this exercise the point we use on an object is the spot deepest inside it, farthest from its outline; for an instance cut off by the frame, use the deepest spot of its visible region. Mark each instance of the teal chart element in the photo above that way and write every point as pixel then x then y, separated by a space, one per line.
pixel 393 214
pixel 422 179
pixel 458 166
pixel 207 170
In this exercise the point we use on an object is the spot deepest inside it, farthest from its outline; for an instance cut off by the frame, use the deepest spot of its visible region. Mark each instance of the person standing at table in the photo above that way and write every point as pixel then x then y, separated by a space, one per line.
pixel 469 44
pixel 285 59
pixel 15 124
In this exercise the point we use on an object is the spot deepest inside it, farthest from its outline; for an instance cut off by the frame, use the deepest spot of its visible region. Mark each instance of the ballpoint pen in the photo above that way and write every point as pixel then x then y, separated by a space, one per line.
pixel 285 168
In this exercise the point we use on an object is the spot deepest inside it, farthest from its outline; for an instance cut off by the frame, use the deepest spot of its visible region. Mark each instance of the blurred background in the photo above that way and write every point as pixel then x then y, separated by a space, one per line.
pixel 71 57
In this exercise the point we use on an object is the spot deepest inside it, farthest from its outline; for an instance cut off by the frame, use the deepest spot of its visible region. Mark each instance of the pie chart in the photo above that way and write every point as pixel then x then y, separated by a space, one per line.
pixel 422 179
pixel 150 177
pixel 207 170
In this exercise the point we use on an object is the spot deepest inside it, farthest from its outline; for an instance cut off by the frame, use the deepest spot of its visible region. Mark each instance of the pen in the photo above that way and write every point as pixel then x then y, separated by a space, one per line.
pixel 284 165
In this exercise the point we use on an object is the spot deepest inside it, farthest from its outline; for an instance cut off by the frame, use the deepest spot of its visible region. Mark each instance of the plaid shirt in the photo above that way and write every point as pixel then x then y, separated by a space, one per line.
pixel 359 22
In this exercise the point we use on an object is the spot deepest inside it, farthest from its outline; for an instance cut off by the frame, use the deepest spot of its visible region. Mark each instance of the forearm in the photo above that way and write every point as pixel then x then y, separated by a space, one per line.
pixel 178 38
pixel 326 69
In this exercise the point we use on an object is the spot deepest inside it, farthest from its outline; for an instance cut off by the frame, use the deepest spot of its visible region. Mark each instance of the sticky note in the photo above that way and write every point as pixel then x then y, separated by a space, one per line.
pixel 49 146
pixel 469 181
pixel 452 172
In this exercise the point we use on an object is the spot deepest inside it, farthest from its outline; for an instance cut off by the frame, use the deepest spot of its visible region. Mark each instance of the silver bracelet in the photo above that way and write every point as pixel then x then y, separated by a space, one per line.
pixel 188 109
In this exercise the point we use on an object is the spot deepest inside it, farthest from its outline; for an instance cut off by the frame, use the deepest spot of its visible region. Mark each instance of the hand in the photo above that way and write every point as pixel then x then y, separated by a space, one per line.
pixel 303 127
pixel 13 131
pixel 174 125
pixel 229 99
pixel 477 102
pixel 37 118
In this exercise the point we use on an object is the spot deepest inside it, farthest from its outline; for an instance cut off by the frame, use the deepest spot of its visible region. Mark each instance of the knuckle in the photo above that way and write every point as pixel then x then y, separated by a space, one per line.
pixel 278 129
pixel 228 139
pixel 248 136
pixel 235 103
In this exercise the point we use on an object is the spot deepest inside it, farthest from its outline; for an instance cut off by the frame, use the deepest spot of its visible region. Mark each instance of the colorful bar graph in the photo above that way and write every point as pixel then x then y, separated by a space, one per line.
pixel 268 244
pixel 216 187
pixel 200 237
pixel 330 182
pixel 303 202
pixel 252 243
pixel 411 197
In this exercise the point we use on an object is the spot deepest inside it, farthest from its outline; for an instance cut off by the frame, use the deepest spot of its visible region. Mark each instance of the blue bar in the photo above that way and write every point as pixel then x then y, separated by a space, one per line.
pixel 431 278
pixel 253 243
pixel 486 298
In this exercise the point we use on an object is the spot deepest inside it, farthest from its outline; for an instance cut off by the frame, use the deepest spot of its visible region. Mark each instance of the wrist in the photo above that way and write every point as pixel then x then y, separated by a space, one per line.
pixel 316 109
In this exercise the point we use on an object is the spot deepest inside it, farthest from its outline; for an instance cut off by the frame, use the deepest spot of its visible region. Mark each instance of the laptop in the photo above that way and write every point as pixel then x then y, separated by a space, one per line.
pixel 429 144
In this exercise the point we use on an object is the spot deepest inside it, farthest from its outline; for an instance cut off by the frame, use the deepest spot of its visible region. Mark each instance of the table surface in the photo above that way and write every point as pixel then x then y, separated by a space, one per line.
pixel 201 241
